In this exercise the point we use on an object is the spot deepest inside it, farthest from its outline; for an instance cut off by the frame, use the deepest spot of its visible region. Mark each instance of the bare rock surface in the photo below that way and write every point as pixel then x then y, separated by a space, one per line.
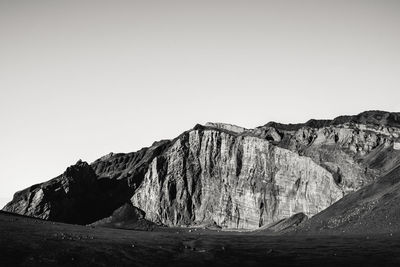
pixel 226 126
pixel 355 149
pixel 236 181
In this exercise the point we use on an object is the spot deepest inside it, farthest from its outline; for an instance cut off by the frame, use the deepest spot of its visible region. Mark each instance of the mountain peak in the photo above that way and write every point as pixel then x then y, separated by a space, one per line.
pixel 226 126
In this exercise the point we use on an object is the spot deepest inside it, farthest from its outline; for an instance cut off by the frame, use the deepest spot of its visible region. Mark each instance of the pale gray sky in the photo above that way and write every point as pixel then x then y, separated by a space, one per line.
pixel 79 79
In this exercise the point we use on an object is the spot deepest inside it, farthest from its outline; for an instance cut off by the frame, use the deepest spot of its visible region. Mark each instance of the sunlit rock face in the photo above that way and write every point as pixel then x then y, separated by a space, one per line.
pixel 225 126
pixel 235 181
pixel 355 149
pixel 246 178
pixel 353 156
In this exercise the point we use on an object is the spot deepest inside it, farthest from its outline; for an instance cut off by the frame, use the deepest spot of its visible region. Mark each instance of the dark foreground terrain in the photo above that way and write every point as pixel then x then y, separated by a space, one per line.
pixel 31 242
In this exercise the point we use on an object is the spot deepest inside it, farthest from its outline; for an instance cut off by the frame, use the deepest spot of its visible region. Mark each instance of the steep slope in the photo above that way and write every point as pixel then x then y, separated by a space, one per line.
pixel 76 196
pixel 373 209
pixel 126 217
pixel 225 174
pixel 235 181
pixel 283 226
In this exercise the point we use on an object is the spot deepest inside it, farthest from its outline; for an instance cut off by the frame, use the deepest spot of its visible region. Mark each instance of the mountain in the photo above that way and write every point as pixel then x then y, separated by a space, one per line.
pixel 225 174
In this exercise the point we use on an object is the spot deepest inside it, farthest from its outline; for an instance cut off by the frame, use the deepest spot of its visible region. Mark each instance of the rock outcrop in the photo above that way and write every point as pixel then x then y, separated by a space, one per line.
pixel 235 181
pixel 226 175
pixel 355 149
pixel 126 217
pixel 76 196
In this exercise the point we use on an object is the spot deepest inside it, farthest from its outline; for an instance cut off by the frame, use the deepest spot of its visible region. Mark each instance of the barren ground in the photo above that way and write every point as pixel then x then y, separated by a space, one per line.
pixel 31 242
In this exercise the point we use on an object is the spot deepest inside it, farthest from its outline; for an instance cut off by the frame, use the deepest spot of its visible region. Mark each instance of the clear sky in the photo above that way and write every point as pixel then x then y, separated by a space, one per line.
pixel 79 79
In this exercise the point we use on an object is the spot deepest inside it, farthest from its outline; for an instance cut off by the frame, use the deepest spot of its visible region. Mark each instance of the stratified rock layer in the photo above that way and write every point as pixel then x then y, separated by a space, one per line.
pixel 355 149
pixel 235 181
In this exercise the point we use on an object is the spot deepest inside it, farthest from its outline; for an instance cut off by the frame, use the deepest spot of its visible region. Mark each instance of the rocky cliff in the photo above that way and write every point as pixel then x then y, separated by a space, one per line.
pixel 226 174
pixel 236 181
pixel 355 149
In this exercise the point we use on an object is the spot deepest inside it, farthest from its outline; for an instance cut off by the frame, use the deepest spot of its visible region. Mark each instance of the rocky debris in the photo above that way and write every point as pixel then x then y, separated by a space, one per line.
pixel 372 209
pixel 68 236
pixel 285 225
pixel 126 217
pixel 194 245
pixel 270 251
pixel 212 226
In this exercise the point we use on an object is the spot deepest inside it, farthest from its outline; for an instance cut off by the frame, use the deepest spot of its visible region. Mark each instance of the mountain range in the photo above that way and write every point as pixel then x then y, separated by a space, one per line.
pixel 322 176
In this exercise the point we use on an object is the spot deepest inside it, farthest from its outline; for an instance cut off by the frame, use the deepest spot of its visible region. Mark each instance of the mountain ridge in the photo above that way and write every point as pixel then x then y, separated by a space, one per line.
pixel 229 175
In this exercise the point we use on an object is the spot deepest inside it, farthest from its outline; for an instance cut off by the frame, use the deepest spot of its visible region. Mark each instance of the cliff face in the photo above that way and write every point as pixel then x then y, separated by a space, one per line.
pixel 235 181
pixel 354 154
pixel 225 174
pixel 355 149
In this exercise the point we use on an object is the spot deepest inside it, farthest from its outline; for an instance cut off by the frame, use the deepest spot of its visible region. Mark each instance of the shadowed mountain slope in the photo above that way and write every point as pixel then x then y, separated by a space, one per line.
pixel 126 217
pixel 76 196
pixel 372 209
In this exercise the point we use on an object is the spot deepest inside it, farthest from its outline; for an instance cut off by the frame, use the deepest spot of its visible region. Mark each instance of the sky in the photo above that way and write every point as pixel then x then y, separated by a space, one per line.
pixel 80 79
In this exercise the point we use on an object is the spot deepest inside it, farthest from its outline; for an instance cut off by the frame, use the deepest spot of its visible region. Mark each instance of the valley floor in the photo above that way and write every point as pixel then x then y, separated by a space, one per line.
pixel 31 242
